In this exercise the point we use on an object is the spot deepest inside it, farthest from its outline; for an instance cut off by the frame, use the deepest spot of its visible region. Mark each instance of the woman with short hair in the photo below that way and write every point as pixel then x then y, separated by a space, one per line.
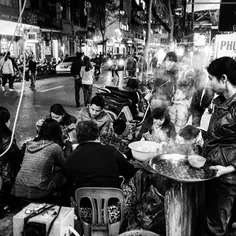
pixel 92 164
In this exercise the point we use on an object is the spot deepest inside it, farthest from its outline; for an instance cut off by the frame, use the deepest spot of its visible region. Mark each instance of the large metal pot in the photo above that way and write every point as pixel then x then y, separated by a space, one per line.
pixel 177 167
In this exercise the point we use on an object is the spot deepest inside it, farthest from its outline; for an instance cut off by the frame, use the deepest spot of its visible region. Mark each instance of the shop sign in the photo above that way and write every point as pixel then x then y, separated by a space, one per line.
pixel 47 50
pixel 225 45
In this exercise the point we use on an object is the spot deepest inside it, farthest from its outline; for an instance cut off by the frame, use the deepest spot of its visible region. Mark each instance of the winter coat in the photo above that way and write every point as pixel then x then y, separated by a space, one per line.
pixel 103 120
pixel 37 177
pixel 10 162
pixel 220 145
pixel 76 67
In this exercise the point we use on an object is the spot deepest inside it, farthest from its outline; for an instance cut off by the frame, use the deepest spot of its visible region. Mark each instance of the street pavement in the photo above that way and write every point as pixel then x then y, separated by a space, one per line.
pixel 57 89
pixel 36 104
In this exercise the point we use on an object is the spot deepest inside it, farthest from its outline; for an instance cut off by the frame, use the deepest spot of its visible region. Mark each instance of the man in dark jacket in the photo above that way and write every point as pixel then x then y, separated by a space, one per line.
pixel 75 72
pixel 92 164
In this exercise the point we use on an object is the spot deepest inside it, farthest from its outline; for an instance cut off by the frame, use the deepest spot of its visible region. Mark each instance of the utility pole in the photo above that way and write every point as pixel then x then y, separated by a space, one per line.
pixel 192 22
pixel 20 6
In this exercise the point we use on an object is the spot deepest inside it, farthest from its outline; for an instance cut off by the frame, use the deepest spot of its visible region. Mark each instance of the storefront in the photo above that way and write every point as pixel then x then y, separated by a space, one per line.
pixel 11 38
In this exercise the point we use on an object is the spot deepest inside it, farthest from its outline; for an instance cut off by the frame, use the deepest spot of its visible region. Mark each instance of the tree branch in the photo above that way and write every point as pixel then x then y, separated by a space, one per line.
pixel 166 27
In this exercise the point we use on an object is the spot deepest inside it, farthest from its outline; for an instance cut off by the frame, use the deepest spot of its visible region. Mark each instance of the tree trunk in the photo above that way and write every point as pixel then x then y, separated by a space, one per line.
pixel 148 30
pixel 171 22
pixel 103 43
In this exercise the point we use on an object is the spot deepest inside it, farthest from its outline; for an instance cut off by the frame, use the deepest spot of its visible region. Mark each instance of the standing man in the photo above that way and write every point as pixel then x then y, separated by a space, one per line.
pixel 32 72
pixel 75 72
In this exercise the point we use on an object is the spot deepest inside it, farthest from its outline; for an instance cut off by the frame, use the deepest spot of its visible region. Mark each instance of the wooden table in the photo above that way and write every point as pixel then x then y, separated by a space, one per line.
pixel 185 198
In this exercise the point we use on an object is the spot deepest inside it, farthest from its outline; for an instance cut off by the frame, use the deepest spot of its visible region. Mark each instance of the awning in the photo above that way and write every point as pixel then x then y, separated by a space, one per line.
pixel 51 30
pixel 204 5
pixel 8 28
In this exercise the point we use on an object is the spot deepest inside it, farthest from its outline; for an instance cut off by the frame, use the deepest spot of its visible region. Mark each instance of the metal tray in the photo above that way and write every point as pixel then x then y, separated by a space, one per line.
pixel 176 167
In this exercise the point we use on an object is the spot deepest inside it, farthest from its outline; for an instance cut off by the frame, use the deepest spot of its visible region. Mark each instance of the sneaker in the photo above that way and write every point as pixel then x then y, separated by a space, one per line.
pixel 11 89
pixel 3 88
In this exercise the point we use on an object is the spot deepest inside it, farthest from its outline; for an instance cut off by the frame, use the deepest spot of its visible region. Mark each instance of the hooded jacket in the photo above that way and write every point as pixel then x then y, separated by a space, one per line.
pixel 37 177
pixel 220 144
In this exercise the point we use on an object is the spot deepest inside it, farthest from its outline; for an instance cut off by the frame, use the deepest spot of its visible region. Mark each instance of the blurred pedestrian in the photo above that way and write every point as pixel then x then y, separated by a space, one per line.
pixel 114 67
pixel 142 68
pixel 97 69
pixel 32 72
pixel 87 80
pixel 16 70
pixel 154 63
pixel 203 92
pixel 130 66
pixel 75 72
pixel 7 70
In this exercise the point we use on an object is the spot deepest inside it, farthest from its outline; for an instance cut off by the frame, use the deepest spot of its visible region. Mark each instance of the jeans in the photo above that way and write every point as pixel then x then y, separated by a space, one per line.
pixel 78 85
pixel 219 204
pixel 87 90
pixel 9 78
pixel 32 80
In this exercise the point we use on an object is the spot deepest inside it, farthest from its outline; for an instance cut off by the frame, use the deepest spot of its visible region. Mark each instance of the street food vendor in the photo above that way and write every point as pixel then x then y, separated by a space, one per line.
pixel 220 147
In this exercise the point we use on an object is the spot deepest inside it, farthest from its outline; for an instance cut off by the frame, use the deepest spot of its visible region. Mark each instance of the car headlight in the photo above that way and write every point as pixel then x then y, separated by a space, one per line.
pixel 121 62
pixel 109 62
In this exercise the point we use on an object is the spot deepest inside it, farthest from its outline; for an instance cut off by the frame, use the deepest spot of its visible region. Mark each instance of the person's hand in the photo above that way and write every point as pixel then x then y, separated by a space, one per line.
pixel 71 126
pixel 222 170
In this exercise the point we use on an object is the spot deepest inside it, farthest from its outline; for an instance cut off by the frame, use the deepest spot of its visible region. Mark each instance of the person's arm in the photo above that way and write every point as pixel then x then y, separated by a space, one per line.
pixel 126 169
pixel 59 156
pixel 222 170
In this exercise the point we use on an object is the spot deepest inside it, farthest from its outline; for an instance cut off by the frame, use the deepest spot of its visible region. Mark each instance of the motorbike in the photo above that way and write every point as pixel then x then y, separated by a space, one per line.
pixel 129 105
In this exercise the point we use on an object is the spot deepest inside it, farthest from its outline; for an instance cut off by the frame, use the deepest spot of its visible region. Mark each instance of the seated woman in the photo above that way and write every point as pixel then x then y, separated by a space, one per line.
pixel 95 165
pixel 158 127
pixel 10 158
pixel 188 142
pixel 66 121
pixel 38 177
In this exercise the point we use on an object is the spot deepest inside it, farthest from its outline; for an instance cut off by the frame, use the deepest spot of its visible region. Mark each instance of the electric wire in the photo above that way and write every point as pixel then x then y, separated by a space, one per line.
pixel 23 81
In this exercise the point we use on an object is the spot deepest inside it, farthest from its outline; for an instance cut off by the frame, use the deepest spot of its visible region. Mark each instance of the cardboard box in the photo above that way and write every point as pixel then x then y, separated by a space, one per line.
pixel 60 226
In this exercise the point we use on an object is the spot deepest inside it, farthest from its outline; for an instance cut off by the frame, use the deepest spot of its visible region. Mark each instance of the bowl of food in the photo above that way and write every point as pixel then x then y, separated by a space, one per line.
pixel 196 161
pixel 144 150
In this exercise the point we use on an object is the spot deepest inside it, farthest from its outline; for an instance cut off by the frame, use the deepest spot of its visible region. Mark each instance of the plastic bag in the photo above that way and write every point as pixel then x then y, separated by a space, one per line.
pixel 150 213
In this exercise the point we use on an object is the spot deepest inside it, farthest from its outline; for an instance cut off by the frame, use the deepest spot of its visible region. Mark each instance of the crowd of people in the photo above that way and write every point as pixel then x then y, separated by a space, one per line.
pixel 69 152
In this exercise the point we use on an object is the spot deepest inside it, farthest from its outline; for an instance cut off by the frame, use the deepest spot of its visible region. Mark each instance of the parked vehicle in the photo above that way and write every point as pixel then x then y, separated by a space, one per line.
pixel 124 104
pixel 65 66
